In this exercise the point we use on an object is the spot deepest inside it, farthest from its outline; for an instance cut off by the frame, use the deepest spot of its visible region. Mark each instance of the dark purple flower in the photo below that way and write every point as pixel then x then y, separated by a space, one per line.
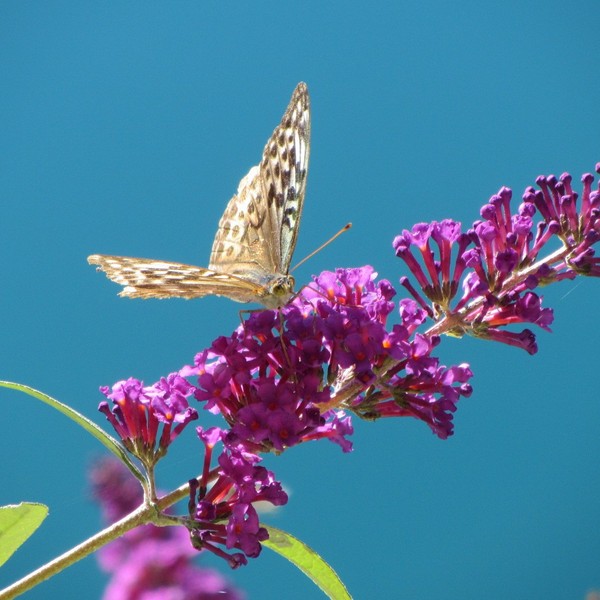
pixel 223 514
pixel 282 381
pixel 244 531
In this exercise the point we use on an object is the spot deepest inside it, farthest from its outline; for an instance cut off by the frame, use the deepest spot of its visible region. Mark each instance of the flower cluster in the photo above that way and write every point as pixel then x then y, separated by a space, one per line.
pixel 224 514
pixel 149 561
pixel 138 412
pixel 285 378
pixel 497 260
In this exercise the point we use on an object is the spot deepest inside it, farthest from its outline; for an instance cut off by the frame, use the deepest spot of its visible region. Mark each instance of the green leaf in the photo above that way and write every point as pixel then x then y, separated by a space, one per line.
pixel 308 561
pixel 17 523
pixel 113 445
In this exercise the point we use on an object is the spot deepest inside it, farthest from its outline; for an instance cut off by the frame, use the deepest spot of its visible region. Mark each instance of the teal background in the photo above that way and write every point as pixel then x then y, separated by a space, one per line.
pixel 125 128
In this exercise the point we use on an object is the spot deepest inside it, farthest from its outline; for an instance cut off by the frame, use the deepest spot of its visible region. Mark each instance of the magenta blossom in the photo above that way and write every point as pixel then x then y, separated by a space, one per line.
pixel 223 514
pixel 287 378
pixel 138 413
pixel 496 263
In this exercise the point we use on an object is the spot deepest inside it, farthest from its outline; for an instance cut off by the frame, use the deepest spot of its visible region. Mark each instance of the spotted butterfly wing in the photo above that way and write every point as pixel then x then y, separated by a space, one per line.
pixel 257 233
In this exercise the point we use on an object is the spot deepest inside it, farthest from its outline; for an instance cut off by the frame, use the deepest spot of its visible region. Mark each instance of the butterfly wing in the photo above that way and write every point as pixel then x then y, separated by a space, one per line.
pixel 147 278
pixel 257 234
pixel 258 231
pixel 284 170
pixel 243 244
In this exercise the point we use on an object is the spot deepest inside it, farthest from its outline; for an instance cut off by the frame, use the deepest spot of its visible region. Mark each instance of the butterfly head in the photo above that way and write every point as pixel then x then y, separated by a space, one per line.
pixel 278 292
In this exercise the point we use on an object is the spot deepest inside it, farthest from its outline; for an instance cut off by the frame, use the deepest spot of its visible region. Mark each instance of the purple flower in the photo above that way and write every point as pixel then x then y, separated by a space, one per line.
pixel 223 514
pixel 138 413
pixel 495 261
pixel 437 278
pixel 281 381
pixel 244 531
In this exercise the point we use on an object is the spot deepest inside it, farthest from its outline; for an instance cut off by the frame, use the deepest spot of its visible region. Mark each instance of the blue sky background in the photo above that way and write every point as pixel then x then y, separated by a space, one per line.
pixel 125 128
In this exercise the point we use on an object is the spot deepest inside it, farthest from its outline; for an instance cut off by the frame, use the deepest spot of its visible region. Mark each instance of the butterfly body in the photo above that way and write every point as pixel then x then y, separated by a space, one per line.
pixel 257 233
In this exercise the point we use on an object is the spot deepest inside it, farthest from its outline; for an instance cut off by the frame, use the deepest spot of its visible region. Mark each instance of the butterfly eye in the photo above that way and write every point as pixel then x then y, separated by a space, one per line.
pixel 284 286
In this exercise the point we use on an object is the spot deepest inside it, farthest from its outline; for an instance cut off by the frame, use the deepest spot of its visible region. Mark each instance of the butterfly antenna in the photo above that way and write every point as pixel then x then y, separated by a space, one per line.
pixel 342 230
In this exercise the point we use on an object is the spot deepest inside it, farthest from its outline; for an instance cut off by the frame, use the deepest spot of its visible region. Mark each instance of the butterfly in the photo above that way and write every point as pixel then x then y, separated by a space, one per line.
pixel 256 237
